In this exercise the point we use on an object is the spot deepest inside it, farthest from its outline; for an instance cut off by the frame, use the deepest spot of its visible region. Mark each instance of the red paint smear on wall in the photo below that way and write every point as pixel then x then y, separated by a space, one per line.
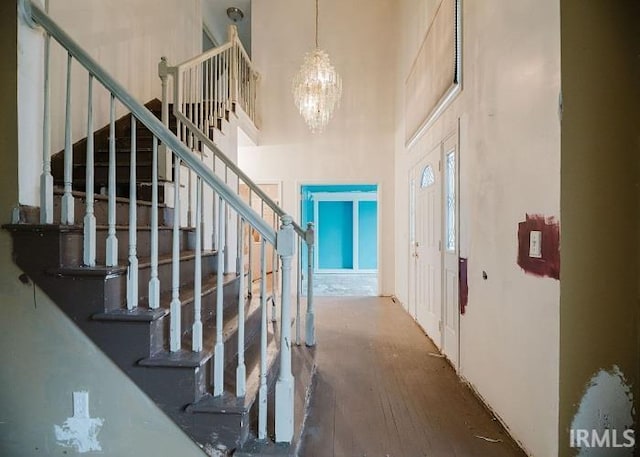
pixel 463 285
pixel 549 264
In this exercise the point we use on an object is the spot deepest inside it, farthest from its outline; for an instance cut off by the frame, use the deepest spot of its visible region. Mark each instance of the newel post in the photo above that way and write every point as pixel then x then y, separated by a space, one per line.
pixel 164 155
pixel 232 33
pixel 310 320
pixel 285 246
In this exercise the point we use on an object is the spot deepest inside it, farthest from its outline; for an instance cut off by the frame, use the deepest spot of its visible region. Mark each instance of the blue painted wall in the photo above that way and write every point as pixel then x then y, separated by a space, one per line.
pixel 335 235
pixel 368 239
pixel 341 230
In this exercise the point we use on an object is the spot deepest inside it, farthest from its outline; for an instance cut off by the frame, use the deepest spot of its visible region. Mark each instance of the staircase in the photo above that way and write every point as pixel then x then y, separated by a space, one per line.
pixel 101 137
pixel 211 347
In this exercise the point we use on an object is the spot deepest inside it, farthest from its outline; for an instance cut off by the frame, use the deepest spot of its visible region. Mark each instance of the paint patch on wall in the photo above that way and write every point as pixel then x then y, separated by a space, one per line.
pixel 605 417
pixel 80 431
pixel 463 284
pixel 539 246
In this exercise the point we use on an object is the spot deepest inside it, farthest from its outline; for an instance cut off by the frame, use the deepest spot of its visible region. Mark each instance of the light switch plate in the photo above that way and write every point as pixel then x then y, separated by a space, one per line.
pixel 535 244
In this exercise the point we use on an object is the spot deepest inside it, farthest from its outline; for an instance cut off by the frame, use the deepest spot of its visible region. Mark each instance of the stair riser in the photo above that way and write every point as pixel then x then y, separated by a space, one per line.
pixel 127 342
pixel 143 243
pixel 165 276
pixel 54 249
pixel 208 303
pixel 101 174
pixel 172 388
pixel 251 336
pixel 101 212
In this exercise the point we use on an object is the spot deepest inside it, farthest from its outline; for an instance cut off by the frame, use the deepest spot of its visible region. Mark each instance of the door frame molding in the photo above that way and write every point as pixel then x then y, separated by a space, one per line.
pixel 445 144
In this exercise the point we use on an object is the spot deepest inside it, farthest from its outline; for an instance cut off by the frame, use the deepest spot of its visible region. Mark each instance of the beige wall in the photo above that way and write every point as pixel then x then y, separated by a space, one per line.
pixel 600 160
pixel 127 39
pixel 45 357
pixel 357 146
pixel 509 166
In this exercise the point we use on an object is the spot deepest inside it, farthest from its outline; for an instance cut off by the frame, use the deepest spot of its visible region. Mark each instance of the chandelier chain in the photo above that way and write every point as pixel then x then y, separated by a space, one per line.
pixel 317 20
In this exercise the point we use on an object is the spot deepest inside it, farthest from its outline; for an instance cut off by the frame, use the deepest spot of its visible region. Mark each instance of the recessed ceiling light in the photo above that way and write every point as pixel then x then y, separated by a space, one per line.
pixel 235 14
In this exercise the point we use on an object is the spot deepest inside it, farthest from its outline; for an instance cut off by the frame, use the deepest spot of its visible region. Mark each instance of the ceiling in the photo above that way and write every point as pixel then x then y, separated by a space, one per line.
pixel 214 16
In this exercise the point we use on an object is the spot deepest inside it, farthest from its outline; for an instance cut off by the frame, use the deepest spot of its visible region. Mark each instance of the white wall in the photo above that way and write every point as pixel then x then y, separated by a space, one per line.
pixel 30 97
pixel 510 166
pixel 357 146
pixel 126 38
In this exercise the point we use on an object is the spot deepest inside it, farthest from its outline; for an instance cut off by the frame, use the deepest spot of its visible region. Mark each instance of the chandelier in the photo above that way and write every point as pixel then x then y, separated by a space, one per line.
pixel 317 87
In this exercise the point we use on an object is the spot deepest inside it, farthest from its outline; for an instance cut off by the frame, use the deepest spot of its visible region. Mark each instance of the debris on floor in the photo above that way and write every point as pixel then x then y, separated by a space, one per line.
pixel 490 440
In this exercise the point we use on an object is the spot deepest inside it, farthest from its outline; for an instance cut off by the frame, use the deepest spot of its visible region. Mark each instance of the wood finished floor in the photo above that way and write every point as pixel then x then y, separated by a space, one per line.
pixel 379 393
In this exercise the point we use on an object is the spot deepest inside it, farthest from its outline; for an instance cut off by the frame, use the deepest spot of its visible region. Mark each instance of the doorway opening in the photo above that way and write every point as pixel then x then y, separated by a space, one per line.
pixel 346 219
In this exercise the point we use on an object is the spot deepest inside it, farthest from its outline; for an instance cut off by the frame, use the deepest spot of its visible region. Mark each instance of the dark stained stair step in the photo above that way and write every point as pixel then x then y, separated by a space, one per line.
pixel 101 209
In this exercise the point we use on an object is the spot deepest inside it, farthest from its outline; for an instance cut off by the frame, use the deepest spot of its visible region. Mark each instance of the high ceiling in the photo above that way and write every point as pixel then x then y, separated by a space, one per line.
pixel 214 13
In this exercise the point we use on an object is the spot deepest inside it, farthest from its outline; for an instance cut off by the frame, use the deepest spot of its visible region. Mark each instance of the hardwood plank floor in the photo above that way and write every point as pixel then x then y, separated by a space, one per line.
pixel 379 393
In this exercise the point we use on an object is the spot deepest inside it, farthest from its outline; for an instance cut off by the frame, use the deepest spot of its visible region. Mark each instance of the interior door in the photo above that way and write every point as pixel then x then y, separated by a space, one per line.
pixel 450 256
pixel 427 256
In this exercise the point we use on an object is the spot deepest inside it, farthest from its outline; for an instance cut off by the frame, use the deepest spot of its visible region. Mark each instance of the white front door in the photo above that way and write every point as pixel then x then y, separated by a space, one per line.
pixel 434 247
pixel 427 269
pixel 450 256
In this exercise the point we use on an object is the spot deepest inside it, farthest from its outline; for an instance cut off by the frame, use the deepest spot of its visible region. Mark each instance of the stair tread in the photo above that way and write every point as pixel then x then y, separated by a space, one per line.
pixel 99 197
pixel 139 163
pixel 228 402
pixel 189 359
pixel 136 315
pixel 265 448
pixel 187 291
pixel 146 314
pixel 143 262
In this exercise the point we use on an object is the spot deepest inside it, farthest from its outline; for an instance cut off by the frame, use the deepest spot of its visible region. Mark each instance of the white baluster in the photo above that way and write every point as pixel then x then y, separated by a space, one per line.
pixel 218 368
pixel 226 221
pixel 241 370
pixel 46 179
pixel 190 194
pixel 210 96
pixel 201 99
pixel 132 270
pixel 274 283
pixel 250 239
pixel 239 240
pixel 216 80
pixel 67 216
pixel 166 156
pixel 163 72
pixel 112 240
pixel 205 101
pixel 262 393
pixel 196 334
pixel 214 226
pixel 175 333
pixel 89 251
pixel 310 319
pixel 285 383
pixel 298 288
pixel 154 282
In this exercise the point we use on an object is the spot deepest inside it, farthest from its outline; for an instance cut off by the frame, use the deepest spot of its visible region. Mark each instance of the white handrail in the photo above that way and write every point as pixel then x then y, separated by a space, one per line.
pixel 152 123
pixel 204 56
pixel 226 199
